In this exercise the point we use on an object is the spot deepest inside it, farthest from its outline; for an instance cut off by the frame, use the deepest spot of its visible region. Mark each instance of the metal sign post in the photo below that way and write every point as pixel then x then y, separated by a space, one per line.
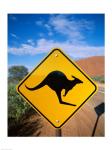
pixel 58 132
pixel 99 111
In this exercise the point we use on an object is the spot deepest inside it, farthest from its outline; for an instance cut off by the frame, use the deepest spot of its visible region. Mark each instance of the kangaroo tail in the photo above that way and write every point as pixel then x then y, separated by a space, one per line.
pixel 37 86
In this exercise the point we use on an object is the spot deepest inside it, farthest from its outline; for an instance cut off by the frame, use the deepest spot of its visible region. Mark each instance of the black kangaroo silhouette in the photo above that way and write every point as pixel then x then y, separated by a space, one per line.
pixel 57 81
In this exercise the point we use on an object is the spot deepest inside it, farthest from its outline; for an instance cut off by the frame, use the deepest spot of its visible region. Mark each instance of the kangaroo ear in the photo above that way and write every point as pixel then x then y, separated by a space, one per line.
pixel 73 77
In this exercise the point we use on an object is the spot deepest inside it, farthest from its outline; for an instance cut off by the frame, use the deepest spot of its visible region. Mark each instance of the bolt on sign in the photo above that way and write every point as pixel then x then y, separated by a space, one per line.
pixel 57 88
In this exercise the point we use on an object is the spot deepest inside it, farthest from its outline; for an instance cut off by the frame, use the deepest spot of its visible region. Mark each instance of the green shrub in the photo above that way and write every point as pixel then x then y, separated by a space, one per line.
pixel 16 105
pixel 100 79
pixel 17 73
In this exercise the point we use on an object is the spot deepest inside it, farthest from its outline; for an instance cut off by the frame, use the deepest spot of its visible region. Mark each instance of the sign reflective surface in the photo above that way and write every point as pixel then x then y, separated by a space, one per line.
pixel 57 88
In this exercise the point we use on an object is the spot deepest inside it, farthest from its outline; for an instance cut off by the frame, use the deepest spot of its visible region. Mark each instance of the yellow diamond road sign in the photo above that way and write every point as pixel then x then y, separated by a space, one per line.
pixel 57 88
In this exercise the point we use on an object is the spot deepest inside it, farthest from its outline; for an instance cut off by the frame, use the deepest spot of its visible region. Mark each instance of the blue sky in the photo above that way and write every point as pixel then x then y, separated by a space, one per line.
pixel 32 36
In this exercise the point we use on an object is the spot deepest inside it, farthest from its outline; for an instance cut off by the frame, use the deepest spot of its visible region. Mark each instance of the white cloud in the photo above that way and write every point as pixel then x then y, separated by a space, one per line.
pixel 47 26
pixel 69 27
pixel 30 41
pixel 75 43
pixel 39 23
pixel 50 33
pixel 44 46
pixel 14 35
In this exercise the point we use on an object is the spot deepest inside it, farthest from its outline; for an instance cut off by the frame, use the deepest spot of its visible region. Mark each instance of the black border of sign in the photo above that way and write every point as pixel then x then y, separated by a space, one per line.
pixel 36 68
